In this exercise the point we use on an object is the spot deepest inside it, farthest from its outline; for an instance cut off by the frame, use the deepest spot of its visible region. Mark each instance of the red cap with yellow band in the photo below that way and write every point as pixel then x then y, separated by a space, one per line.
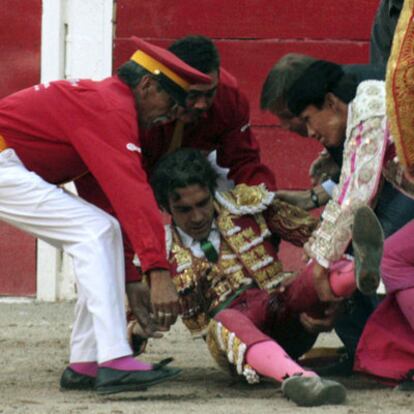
pixel 173 74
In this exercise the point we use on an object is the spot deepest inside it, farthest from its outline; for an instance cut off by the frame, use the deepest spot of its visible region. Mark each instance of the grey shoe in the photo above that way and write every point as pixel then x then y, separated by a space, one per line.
pixel 367 243
pixel 313 391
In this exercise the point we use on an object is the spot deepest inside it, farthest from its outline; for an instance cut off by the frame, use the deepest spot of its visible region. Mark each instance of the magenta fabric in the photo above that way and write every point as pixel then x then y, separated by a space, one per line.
pixel 342 278
pixel 127 363
pixel 301 296
pixel 405 300
pixel 386 347
pixel 397 267
pixel 247 316
pixel 85 368
pixel 255 312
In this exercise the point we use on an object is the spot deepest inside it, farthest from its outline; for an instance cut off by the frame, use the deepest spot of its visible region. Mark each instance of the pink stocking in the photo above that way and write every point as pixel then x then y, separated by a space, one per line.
pixel 127 363
pixel 342 278
pixel 270 360
pixel 85 368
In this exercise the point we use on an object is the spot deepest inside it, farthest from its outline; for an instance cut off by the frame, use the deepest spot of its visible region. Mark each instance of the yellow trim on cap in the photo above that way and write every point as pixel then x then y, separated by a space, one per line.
pixel 155 67
pixel 3 144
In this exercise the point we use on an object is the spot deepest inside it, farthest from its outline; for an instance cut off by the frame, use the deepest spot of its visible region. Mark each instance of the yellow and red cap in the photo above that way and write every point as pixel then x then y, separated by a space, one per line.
pixel 173 74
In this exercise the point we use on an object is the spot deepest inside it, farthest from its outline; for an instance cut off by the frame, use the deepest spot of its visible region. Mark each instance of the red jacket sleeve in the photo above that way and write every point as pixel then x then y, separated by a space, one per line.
pixel 108 145
pixel 239 150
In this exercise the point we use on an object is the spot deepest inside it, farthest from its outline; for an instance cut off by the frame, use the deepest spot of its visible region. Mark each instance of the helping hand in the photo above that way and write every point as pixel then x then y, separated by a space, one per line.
pixel 322 285
pixel 323 168
pixel 164 299
pixel 324 324
pixel 138 294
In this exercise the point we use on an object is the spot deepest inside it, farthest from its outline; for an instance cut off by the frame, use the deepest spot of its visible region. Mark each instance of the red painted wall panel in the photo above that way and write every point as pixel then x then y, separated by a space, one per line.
pixel 251 36
pixel 17 262
pixel 288 155
pixel 247 19
pixel 20 22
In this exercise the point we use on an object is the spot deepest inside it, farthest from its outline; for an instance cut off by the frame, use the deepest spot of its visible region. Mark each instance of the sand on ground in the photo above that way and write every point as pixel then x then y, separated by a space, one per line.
pixel 34 345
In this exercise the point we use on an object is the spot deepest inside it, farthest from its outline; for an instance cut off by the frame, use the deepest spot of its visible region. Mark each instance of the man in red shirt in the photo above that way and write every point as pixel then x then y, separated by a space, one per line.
pixel 216 117
pixel 56 132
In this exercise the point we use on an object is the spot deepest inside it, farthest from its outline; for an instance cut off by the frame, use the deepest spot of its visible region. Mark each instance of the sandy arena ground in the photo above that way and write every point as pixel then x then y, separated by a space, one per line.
pixel 34 348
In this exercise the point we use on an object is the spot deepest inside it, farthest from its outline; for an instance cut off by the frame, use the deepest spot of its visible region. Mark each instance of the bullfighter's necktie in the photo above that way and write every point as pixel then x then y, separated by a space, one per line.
pixel 209 251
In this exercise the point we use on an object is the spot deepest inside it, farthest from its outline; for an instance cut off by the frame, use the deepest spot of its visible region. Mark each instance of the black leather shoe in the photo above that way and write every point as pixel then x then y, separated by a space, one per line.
pixel 407 383
pixel 406 386
pixel 111 381
pixel 71 380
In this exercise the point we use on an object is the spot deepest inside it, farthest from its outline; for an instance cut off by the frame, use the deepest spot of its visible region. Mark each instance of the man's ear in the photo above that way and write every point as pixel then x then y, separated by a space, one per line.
pixel 144 84
pixel 333 102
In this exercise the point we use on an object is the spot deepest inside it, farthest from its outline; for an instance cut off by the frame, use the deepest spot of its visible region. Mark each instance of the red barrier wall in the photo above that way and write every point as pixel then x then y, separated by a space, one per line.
pixel 20 22
pixel 251 36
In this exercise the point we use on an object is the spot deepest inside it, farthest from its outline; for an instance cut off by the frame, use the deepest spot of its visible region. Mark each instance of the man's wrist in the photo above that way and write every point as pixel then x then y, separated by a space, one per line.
pixel 158 273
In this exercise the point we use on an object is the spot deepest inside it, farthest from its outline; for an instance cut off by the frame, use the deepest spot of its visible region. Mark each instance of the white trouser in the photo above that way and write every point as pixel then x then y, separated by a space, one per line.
pixel 91 237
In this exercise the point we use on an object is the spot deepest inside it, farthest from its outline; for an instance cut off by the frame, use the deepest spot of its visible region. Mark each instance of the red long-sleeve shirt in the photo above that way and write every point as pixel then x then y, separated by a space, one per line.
pixel 65 129
pixel 225 128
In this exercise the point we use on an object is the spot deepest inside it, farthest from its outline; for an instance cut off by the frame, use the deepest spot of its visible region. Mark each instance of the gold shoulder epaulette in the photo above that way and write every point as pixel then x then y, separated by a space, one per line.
pixel 244 199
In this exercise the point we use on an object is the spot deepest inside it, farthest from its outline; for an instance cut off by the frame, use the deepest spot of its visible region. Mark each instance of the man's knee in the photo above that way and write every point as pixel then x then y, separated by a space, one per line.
pixel 110 227
pixel 102 227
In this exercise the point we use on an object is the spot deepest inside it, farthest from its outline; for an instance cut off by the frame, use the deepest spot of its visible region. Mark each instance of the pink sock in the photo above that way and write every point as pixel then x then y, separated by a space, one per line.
pixel 270 360
pixel 85 368
pixel 127 363
pixel 405 299
pixel 342 278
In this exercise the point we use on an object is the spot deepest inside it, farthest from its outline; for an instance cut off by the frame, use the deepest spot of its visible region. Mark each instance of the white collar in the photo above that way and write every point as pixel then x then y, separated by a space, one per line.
pixel 194 245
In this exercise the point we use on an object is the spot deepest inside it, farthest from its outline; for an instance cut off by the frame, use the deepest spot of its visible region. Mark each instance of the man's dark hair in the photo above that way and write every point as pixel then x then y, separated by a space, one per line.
pixel 198 52
pixel 131 73
pixel 318 79
pixel 180 169
pixel 281 77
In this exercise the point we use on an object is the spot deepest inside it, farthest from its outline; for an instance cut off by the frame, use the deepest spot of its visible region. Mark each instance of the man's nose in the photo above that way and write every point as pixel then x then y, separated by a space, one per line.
pixel 197 216
pixel 311 131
